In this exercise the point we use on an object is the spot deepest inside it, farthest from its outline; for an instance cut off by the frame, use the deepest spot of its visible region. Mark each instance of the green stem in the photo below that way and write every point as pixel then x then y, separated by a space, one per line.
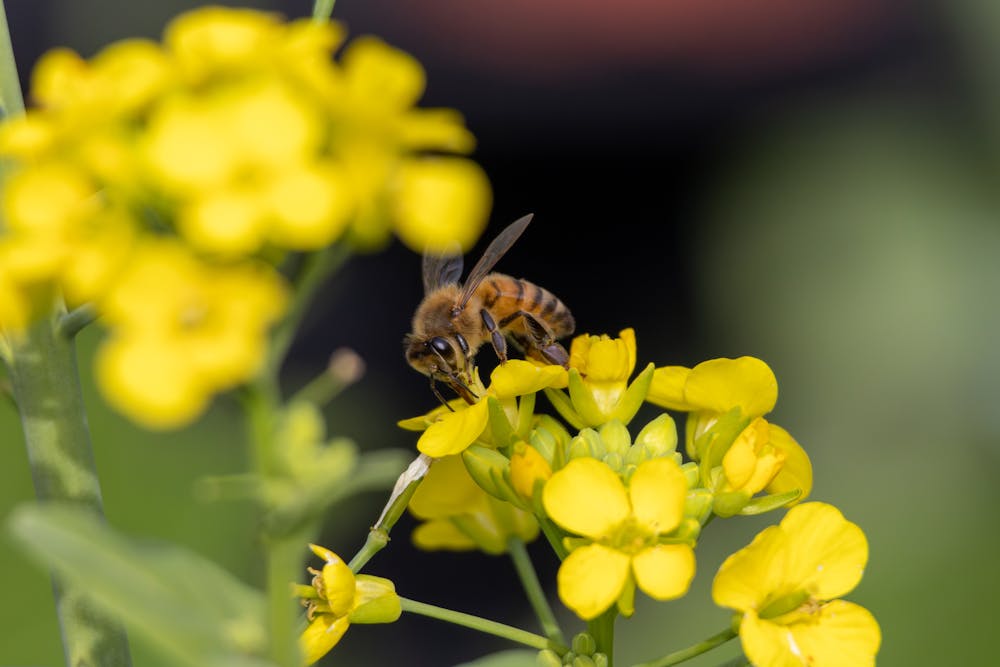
pixel 482 625
pixel 322 9
pixel 74 321
pixel 533 589
pixel 11 99
pixel 602 629
pixel 45 378
pixel 284 551
pixel 405 487
pixel 317 267
pixel 678 657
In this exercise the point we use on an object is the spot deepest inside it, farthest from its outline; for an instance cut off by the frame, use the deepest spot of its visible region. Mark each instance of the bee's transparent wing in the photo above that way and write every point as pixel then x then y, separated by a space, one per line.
pixel 500 245
pixel 442 269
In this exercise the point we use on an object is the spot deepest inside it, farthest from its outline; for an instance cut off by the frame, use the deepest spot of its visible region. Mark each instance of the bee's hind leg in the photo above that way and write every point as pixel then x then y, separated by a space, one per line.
pixel 539 343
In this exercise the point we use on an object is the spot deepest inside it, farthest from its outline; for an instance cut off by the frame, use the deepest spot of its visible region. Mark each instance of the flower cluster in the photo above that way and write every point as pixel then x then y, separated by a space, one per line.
pixel 164 183
pixel 623 508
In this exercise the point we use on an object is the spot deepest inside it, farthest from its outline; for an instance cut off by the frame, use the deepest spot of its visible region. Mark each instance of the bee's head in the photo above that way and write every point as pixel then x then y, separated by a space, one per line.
pixel 437 356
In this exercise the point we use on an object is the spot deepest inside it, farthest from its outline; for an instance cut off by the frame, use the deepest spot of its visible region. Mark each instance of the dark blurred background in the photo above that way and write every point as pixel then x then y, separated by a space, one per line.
pixel 814 184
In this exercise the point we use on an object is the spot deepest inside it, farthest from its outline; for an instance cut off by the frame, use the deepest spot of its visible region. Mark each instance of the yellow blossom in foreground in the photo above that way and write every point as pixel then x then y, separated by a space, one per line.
pixel 785 584
pixel 628 530
pixel 458 515
pixel 337 598
pixel 205 331
pixel 454 431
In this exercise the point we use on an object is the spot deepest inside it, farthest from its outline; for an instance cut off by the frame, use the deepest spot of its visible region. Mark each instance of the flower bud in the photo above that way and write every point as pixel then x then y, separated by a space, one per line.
pixel 528 469
pixel 376 601
pixel 583 644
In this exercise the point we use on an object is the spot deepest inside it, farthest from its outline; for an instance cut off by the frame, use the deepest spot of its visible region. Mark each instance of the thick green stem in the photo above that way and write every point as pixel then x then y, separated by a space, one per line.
pixel 533 589
pixel 322 10
pixel 44 375
pixel 482 625
pixel 602 629
pixel 678 657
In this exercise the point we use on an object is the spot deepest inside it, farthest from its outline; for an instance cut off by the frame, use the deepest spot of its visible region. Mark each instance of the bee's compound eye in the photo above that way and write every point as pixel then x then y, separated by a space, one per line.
pixel 440 345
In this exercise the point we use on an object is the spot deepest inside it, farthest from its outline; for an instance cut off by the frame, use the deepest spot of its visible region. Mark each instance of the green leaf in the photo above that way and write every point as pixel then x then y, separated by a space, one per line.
pixel 177 600
pixel 512 658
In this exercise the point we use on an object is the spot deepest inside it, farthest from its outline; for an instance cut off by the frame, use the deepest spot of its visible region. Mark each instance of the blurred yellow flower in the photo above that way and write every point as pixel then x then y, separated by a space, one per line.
pixel 784 586
pixel 627 531
pixel 337 598
pixel 458 515
pixel 182 330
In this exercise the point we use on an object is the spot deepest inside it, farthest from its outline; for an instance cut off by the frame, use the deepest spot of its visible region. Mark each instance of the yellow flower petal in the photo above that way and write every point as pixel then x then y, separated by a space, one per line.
pixel 518 377
pixel 827 553
pixel 842 633
pixel 321 635
pixel 586 497
pixel 796 472
pixel 768 644
pixel 338 586
pixel 380 75
pixel 667 388
pixel 657 490
pixel 455 431
pixel 748 577
pixel 665 571
pixel 446 489
pixel 722 384
pixel 591 579
pixel 441 534
pixel 441 201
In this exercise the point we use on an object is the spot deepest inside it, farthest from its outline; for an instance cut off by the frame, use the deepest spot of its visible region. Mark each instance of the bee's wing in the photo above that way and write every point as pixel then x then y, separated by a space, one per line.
pixel 500 245
pixel 441 269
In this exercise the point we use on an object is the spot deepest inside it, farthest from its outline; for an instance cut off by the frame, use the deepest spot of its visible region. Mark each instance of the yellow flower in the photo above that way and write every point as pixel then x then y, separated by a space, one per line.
pixel 454 431
pixel 337 598
pixel 628 533
pixel 205 331
pixel 785 583
pixel 744 390
pixel 599 389
pixel 378 134
pixel 458 515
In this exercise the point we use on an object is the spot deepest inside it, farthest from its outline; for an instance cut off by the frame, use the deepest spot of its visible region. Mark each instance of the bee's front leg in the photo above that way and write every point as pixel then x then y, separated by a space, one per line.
pixel 496 337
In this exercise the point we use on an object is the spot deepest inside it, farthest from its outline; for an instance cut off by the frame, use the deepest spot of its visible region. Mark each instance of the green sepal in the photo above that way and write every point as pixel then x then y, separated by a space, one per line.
pixel 486 467
pixel 686 532
pixel 615 461
pixel 485 539
pixel 626 601
pixel 768 503
pixel 634 397
pixel 729 503
pixel 583 400
pixel 692 474
pixel 716 441
pixel 378 601
pixel 500 427
pixel 546 658
pixel 525 415
pixel 564 406
pixel 546 444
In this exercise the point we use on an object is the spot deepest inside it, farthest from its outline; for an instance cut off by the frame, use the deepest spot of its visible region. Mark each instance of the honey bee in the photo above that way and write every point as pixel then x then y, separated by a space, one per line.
pixel 454 320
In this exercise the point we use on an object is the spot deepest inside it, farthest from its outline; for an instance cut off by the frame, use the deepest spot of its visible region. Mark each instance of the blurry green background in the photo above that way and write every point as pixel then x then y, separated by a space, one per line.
pixel 812 185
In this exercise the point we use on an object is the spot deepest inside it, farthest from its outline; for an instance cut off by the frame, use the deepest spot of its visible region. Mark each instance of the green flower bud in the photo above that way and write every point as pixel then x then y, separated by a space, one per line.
pixel 615 461
pixel 586 445
pixel 583 644
pixel 658 437
pixel 691 474
pixel 601 660
pixel 698 504
pixel 616 438
pixel 489 469
pixel 728 504
pixel 548 658
pixel 375 601
pixel 583 661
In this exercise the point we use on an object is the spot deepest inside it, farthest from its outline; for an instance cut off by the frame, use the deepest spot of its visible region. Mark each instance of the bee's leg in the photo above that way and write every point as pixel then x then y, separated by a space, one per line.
pixel 497 338
pixel 437 394
pixel 540 343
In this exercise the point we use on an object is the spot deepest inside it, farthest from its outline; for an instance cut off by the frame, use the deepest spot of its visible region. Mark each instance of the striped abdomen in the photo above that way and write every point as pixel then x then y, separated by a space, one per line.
pixel 506 297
